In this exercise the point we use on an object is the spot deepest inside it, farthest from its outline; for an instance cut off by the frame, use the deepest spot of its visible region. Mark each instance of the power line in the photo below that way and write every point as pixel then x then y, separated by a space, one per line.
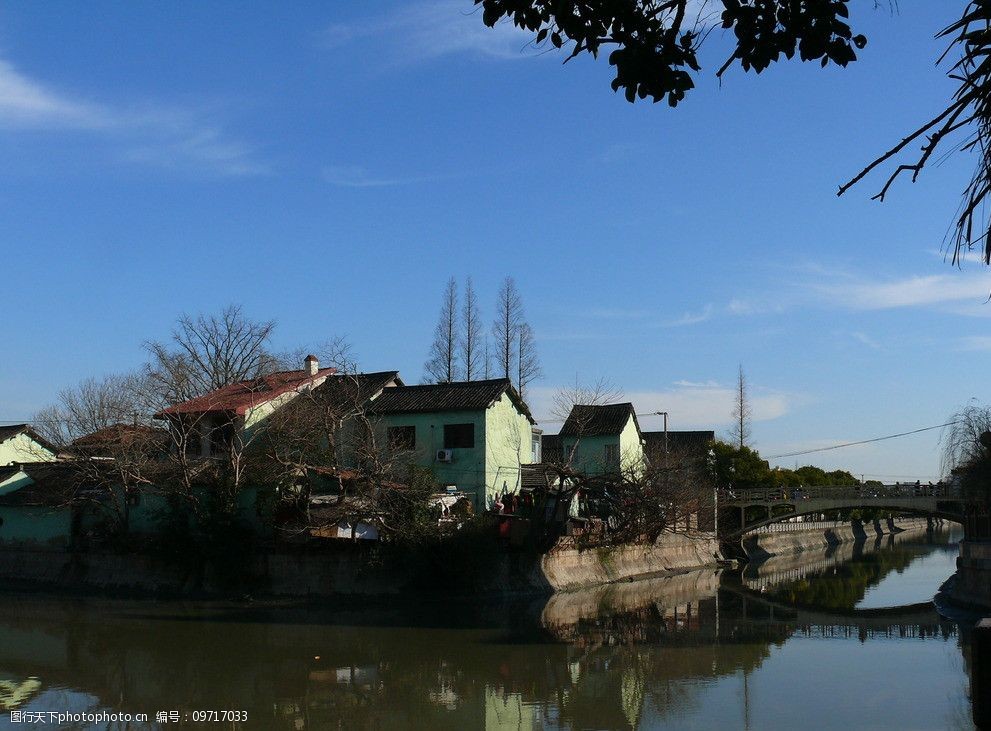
pixel 863 441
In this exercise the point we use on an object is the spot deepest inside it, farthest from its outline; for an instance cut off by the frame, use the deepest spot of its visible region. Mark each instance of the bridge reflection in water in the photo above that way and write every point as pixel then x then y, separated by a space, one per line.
pixel 699 650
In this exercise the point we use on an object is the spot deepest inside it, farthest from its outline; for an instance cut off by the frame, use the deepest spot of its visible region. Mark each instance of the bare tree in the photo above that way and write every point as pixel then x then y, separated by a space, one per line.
pixel 962 437
pixel 471 334
pixel 740 431
pixel 441 366
pixel 487 360
pixel 209 352
pixel 336 465
pixel 506 327
pixel 528 362
pixel 633 504
pixel 337 353
pixel 967 448
pixel 110 448
pixel 94 404
pixel 597 393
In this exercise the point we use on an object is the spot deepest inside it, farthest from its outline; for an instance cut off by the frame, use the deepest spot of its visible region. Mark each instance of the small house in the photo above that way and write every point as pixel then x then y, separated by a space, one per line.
pixel 601 439
pixel 473 435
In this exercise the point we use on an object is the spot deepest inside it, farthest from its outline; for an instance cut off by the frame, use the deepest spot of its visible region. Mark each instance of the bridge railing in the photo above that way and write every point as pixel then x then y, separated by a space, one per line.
pixel 866 493
pixel 803 525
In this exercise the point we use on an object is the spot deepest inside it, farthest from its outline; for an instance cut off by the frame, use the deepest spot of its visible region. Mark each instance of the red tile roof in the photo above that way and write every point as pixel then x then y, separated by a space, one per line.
pixel 104 442
pixel 240 397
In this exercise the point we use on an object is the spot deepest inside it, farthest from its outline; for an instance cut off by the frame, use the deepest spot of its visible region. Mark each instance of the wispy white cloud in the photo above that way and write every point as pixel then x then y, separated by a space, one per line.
pixel 690 405
pixel 975 343
pixel 913 291
pixel 617 313
pixel 866 339
pixel 426 30
pixel 25 103
pixel 162 136
pixel 692 318
pixel 709 405
pixel 356 176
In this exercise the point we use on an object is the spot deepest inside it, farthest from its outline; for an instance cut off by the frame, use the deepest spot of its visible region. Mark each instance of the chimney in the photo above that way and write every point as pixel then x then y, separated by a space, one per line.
pixel 311 365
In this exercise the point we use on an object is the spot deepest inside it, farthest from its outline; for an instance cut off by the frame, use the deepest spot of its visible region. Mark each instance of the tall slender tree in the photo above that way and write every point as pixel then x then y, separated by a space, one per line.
pixel 740 431
pixel 528 363
pixel 506 327
pixel 471 334
pixel 442 363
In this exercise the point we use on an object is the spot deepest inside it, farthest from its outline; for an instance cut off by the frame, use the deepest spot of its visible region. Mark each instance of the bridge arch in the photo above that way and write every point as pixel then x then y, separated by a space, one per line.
pixel 740 513
pixel 799 513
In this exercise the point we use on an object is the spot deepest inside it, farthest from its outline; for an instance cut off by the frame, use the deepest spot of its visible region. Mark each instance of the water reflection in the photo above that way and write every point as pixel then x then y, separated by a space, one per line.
pixel 780 646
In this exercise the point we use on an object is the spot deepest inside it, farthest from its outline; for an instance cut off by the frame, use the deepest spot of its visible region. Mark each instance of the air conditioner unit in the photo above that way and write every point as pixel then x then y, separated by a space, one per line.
pixel 445 455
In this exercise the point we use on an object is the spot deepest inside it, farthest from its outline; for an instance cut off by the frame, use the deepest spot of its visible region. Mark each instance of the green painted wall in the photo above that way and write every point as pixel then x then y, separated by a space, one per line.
pixel 590 452
pixel 35 527
pixel 507 446
pixel 502 444
pixel 15 482
pixel 631 446
pixel 466 470
pixel 22 448
pixel 32 526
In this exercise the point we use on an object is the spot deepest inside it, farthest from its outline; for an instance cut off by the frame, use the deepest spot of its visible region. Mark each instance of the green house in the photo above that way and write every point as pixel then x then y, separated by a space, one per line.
pixel 602 439
pixel 474 435
pixel 36 506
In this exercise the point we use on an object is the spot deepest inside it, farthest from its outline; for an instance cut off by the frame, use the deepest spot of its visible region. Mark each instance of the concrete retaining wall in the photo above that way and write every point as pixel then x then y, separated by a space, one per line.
pixel 567 567
pixel 762 545
pixel 349 572
pixel 973 580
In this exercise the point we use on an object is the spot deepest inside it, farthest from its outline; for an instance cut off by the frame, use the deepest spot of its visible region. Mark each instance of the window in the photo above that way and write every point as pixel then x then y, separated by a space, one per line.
pixel 459 436
pixel 402 437
pixel 612 454
pixel 221 438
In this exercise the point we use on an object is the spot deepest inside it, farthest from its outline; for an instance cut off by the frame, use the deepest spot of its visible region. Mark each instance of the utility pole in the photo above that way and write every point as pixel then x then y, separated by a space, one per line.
pixel 665 415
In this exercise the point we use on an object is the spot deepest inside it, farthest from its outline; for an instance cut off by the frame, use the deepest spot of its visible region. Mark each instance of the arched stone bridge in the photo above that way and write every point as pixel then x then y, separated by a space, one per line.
pixel 741 511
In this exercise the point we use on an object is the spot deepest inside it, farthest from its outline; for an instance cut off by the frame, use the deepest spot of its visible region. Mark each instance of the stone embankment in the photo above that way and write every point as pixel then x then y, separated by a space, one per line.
pixel 761 545
pixel 351 571
pixel 972 584
pixel 567 566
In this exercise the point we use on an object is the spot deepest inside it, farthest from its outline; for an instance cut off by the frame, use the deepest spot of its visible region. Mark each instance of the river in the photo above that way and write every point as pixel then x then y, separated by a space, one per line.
pixel 839 640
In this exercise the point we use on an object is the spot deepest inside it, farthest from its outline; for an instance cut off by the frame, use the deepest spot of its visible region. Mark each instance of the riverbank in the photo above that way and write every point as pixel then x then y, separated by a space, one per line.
pixel 353 570
pixel 658 653
pixel 761 546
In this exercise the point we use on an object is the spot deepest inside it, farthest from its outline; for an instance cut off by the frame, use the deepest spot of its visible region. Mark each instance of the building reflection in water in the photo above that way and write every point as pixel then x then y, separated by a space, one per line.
pixel 638 654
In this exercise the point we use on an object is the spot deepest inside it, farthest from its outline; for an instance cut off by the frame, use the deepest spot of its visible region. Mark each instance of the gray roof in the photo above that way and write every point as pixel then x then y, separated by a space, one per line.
pixel 355 389
pixel 594 421
pixel 8 471
pixel 7 432
pixel 457 396
pixel 54 485
pixel 679 441
pixel 538 476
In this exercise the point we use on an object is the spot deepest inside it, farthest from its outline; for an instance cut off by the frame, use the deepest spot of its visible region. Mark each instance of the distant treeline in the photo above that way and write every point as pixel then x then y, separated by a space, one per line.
pixel 743 467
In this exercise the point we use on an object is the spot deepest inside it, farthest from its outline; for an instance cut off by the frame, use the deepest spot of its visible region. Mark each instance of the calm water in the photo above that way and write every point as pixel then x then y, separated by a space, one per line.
pixel 844 640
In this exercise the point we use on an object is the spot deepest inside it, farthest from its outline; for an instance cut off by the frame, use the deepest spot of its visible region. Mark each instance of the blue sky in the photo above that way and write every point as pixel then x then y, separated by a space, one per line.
pixel 330 165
